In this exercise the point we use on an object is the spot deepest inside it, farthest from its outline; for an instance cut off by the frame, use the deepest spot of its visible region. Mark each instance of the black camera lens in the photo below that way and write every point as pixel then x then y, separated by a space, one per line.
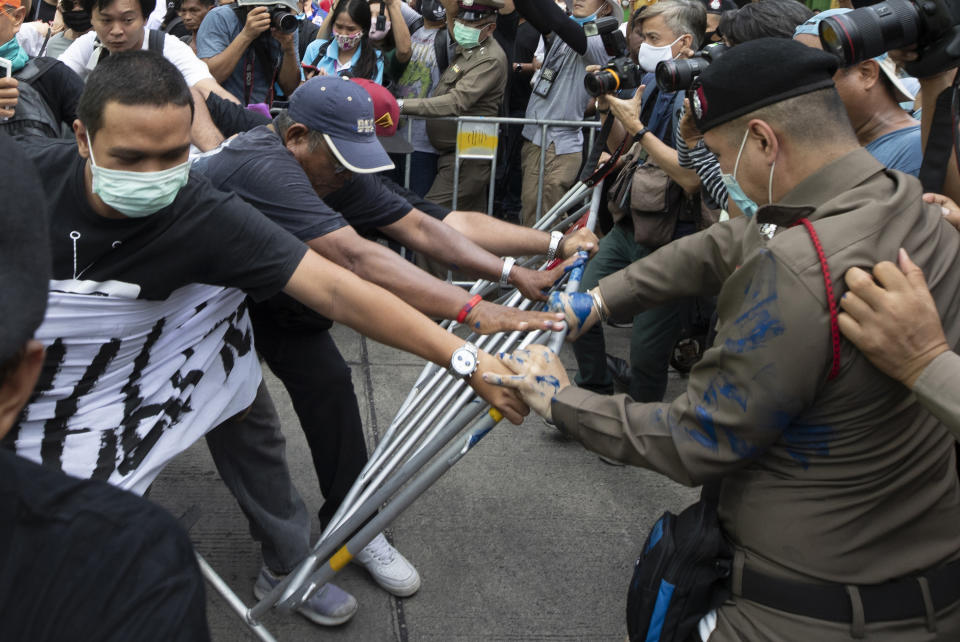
pixel 868 32
pixel 283 20
pixel 674 75
pixel 601 82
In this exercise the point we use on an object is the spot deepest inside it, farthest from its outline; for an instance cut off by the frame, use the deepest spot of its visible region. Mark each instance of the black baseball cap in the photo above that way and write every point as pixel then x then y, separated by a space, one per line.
pixel 778 69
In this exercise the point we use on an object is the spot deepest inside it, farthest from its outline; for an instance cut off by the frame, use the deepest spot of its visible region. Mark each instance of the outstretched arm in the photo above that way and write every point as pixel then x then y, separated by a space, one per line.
pixel 428 294
pixel 342 296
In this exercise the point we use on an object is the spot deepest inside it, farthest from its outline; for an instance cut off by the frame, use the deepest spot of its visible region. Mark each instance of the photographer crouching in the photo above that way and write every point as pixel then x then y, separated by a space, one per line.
pixel 653 200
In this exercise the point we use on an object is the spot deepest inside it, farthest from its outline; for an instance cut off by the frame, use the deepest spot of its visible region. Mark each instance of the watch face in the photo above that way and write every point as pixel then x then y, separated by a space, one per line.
pixel 463 362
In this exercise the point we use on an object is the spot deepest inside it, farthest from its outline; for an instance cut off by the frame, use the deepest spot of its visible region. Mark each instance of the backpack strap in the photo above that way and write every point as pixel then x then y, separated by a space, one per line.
pixel 415 25
pixel 440 50
pixel 156 41
pixel 322 51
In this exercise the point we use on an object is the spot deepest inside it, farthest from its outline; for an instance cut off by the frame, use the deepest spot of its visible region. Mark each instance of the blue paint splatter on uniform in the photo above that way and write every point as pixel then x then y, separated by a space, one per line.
pixel 740 447
pixel 761 321
pixel 706 435
pixel 720 386
pixel 804 442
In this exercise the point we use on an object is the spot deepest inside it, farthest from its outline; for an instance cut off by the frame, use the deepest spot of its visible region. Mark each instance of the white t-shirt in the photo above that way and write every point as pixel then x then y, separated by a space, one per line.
pixel 78 57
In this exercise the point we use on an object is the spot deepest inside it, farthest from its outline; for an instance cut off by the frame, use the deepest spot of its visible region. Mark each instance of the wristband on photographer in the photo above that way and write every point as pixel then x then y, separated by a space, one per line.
pixel 640 134
pixel 469 305
pixel 556 238
pixel 508 262
pixel 598 304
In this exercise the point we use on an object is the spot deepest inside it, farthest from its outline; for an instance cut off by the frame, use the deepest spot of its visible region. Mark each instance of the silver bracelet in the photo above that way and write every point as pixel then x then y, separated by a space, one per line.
pixel 598 304
pixel 556 237
pixel 508 262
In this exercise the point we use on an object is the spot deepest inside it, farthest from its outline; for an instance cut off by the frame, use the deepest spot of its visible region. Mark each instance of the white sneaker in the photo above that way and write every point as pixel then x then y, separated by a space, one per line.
pixel 389 568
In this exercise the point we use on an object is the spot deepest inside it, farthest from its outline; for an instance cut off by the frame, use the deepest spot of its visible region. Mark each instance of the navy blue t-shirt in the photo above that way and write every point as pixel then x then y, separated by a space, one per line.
pixel 258 168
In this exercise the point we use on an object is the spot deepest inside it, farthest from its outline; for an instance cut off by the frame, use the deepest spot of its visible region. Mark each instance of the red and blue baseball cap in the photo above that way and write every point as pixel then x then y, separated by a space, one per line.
pixel 343 112
pixel 386 117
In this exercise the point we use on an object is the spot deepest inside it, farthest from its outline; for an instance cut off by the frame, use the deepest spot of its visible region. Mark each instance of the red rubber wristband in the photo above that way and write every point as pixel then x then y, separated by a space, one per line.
pixel 465 310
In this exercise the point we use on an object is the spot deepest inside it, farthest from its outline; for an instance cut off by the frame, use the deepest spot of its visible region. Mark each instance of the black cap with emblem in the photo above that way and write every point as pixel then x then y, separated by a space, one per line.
pixel 777 69
pixel 473 10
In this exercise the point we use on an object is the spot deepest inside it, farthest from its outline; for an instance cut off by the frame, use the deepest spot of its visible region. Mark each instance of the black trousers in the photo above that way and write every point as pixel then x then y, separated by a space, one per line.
pixel 317 378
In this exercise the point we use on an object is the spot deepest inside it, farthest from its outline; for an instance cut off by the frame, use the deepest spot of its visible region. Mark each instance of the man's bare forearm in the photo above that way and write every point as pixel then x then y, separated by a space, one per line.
pixel 496 236
pixel 223 64
pixel 350 300
pixel 446 244
pixel 289 75
pixel 378 264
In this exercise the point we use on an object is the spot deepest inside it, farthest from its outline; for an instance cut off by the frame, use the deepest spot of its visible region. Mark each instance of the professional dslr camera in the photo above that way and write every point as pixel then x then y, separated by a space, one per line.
pixel 932 25
pixel 675 75
pixel 620 72
pixel 283 13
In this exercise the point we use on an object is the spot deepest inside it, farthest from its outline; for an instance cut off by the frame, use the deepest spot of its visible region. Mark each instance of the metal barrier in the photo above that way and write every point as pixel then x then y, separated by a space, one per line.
pixel 478 139
pixel 393 478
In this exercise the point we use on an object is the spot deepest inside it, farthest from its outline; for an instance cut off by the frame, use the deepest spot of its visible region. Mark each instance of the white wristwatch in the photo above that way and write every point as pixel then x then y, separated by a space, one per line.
pixel 464 361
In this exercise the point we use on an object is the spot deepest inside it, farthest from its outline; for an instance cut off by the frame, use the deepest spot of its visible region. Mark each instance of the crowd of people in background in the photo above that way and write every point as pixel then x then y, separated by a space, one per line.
pixel 198 187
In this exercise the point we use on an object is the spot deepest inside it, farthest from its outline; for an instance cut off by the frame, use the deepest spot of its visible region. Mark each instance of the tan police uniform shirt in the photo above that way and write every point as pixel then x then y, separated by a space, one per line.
pixel 849 480
pixel 472 85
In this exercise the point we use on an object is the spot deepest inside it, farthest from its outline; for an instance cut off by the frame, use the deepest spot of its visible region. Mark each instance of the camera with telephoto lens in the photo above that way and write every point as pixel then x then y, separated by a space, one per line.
pixel 283 20
pixel 932 25
pixel 620 72
pixel 676 75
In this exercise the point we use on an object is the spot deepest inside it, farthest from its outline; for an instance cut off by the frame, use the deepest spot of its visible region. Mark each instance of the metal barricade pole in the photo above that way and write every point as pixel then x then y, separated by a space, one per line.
pixel 456 167
pixel 540 173
pixel 232 599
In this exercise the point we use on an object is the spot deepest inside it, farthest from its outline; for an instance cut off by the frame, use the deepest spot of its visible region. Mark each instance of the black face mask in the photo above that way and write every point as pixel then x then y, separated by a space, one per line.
pixel 78 21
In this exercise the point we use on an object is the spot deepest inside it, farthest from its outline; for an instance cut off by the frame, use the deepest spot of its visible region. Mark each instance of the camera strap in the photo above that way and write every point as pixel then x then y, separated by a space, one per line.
pixel 942 137
pixel 552 64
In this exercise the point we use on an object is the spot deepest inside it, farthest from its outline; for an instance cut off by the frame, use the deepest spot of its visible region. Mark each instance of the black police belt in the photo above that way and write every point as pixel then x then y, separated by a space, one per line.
pixel 900 599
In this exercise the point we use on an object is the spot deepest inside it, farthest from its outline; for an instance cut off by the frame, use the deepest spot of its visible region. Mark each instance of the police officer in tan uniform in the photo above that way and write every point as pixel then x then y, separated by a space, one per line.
pixel 838 490
pixel 472 85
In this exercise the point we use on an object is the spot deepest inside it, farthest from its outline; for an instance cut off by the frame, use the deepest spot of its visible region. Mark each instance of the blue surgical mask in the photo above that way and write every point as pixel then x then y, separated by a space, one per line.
pixel 13 52
pixel 137 194
pixel 586 19
pixel 736 193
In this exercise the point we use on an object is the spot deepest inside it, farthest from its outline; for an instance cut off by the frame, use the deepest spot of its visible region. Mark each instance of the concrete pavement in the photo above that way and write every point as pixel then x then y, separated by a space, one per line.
pixel 529 537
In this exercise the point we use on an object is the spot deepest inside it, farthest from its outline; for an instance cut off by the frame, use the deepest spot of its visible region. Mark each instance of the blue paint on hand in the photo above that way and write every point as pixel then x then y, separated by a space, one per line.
pixel 581 304
pixel 550 380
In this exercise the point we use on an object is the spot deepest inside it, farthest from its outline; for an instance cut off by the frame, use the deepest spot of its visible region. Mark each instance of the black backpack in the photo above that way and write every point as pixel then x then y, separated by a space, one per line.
pixel 681 575
pixel 32 116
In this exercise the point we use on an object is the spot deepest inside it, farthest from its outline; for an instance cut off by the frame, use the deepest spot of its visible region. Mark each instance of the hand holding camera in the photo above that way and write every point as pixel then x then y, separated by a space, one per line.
pixel 258 21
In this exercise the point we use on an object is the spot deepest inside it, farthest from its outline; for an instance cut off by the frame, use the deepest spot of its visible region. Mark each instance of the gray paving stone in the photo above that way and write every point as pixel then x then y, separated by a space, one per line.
pixel 529 537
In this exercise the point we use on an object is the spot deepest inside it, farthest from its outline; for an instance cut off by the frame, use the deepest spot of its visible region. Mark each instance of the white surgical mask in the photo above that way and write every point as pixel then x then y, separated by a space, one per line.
pixel 137 194
pixel 649 56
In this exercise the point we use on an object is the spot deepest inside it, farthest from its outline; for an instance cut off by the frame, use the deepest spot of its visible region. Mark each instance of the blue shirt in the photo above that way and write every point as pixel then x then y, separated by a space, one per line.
pixel 217 31
pixel 328 63
pixel 901 150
